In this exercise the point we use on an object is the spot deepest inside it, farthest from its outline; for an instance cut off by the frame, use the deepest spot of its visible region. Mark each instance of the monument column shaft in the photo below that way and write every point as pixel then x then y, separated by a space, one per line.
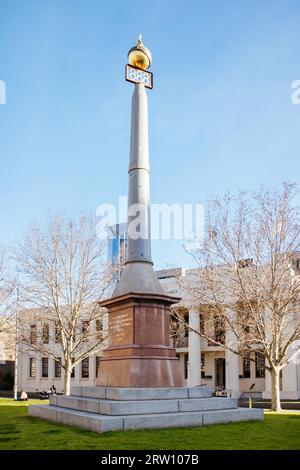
pixel 139 235
pixel 139 352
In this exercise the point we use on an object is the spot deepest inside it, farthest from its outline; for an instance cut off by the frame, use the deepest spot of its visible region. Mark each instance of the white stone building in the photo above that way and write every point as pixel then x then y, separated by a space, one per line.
pixel 6 347
pixel 201 362
pixel 204 363
pixel 37 371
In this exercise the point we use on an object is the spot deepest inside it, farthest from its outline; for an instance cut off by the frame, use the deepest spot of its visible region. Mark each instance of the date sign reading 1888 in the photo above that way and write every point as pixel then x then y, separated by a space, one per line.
pixel 135 75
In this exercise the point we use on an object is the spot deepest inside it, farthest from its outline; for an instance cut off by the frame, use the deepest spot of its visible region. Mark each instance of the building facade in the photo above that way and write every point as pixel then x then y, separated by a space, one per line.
pixel 7 344
pixel 205 363
pixel 200 361
pixel 7 357
pixel 38 371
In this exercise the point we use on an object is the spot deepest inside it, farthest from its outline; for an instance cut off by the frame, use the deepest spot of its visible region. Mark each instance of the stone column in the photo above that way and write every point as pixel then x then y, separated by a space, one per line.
pixel 194 365
pixel 139 249
pixel 76 381
pixel 289 382
pixel 267 393
pixel 51 370
pixel 232 364
pixel 232 373
pixel 139 353
pixel 290 390
pixel 38 375
pixel 92 371
pixel 138 275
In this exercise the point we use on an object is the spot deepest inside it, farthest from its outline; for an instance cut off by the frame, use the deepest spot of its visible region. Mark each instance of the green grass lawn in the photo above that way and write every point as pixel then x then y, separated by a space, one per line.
pixel 19 431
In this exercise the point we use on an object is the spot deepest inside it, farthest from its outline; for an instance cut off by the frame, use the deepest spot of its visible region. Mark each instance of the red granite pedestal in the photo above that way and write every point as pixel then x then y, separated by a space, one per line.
pixel 139 353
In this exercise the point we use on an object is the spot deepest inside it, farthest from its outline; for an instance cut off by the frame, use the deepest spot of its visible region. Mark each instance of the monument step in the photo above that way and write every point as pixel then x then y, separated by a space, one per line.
pixel 85 420
pixel 117 408
pixel 118 393
pixel 104 423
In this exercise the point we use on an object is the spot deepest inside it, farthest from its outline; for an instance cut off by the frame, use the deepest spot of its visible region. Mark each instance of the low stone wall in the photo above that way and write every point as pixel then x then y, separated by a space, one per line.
pixel 266 404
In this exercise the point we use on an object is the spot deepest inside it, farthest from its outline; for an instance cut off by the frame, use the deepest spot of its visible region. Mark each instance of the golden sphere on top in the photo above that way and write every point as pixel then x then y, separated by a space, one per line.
pixel 139 56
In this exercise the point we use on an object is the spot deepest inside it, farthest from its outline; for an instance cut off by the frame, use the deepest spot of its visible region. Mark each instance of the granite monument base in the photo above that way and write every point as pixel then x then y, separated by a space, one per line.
pixel 139 354
pixel 103 409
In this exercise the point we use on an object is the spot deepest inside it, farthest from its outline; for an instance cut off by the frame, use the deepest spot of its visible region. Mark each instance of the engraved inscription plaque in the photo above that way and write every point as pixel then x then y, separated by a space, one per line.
pixel 120 328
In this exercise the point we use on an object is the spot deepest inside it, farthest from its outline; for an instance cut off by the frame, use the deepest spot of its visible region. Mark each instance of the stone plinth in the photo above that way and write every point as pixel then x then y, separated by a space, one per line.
pixel 139 354
pixel 104 409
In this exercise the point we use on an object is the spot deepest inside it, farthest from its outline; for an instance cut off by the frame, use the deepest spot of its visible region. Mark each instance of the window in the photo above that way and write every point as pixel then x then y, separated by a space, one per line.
pixel 57 332
pixel 85 329
pixel 186 361
pixel 201 323
pixel 259 365
pixel 73 370
pixel 32 334
pixel 45 366
pixel 85 368
pixel 246 367
pixel 186 329
pixel 202 365
pixel 246 329
pixel 219 329
pixel 99 329
pixel 57 371
pixel 97 365
pixel 296 263
pixel 71 329
pixel 245 263
pixel 32 367
pixel 245 310
pixel 46 333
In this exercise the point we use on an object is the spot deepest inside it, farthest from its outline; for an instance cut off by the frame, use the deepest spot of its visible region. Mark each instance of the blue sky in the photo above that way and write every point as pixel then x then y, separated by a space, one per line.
pixel 220 114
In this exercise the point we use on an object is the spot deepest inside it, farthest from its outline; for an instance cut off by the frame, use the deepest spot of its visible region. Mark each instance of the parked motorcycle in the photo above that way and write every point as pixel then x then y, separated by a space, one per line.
pixel 44 395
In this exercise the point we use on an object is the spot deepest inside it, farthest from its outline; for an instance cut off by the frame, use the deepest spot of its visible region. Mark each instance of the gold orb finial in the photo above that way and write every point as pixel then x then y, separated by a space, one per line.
pixel 139 56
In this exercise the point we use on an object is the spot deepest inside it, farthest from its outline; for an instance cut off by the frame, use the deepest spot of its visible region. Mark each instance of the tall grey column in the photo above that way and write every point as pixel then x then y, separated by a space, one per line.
pixel 138 275
pixel 139 246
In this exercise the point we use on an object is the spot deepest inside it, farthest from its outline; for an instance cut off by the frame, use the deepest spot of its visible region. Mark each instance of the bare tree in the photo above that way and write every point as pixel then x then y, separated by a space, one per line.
pixel 248 282
pixel 64 276
pixel 7 298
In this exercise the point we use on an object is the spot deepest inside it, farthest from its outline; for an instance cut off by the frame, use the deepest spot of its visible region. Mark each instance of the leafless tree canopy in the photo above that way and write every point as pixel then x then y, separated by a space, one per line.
pixel 7 295
pixel 248 279
pixel 64 275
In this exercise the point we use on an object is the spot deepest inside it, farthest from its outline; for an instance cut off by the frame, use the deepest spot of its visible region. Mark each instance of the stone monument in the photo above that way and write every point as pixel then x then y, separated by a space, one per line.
pixel 139 354
pixel 139 383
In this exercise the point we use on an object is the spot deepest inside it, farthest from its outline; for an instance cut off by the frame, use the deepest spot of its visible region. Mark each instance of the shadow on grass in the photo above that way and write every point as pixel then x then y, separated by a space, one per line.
pixel 20 431
pixel 8 439
pixel 8 429
pixel 54 431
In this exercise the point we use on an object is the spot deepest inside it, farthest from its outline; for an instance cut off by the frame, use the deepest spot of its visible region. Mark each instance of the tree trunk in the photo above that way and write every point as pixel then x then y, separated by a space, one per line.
pixel 67 382
pixel 275 378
